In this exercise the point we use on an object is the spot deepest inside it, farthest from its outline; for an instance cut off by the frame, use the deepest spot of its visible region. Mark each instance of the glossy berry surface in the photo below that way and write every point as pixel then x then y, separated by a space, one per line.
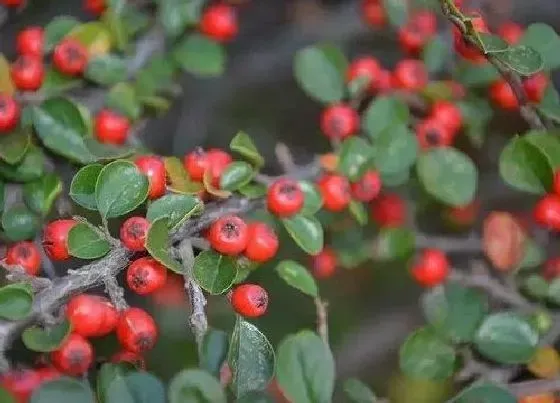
pixel 9 113
pixel 389 210
pixel 367 187
pixel 145 275
pixel 510 32
pixel 91 315
pixel 28 72
pixel 133 233
pixel 219 22
pixel 324 263
pixel 448 114
pixel 74 356
pixel 284 198
pixel 420 28
pixel 218 160
pixel 535 87
pixel 373 13
pixel 55 239
pixel 431 269
pixel 154 168
pixel 547 212
pixel 196 162
pixel 503 96
pixel 70 57
pixel 335 190
pixel 95 7
pixel 410 75
pixel 366 68
pixel 25 254
pixel 249 300
pixel 111 127
pixel 262 244
pixel 228 235
pixel 30 41
pixel 339 121
pixel 136 331
pixel 432 133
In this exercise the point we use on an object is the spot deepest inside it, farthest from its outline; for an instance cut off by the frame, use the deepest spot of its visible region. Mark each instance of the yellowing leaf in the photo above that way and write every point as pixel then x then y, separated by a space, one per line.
pixel 6 84
pixel 95 36
pixel 177 178
pixel 545 363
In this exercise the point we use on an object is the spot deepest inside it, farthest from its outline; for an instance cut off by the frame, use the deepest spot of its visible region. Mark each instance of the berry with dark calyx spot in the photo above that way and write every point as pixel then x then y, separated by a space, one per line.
pixel 154 168
pixel 146 275
pixel 219 22
pixel 464 48
pixel 196 162
pixel 129 357
pixel 432 133
pixel 136 331
pixel 25 254
pixel 373 13
pixel 339 121
pixel 410 75
pixel 503 96
pixel 366 67
pixel 27 72
pixel 74 356
pixel 431 269
pixel 367 187
pixel 91 315
pixel 389 210
pixel 9 113
pixel 263 243
pixel 249 300
pixel 133 233
pixel 547 212
pixel 324 263
pixel 535 87
pixel 417 32
pixel 448 114
pixel 111 127
pixel 55 239
pixel 95 7
pixel 70 57
pixel 335 190
pixel 30 41
pixel 284 198
pixel 511 32
pixel 228 235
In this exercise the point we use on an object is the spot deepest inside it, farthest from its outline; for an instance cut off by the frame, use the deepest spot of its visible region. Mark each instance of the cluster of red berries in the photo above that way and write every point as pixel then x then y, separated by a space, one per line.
pixel 440 127
pixel 547 210
pixel 199 161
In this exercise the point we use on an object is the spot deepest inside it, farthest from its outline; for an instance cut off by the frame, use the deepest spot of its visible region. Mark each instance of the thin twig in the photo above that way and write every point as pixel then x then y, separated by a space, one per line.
pixel 115 292
pixel 528 388
pixel 322 319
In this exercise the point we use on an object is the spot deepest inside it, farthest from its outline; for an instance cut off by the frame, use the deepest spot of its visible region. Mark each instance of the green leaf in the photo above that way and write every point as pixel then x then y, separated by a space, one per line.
pixel 307 232
pixel 20 223
pixel 454 311
pixel 109 373
pixel 358 211
pixel 85 242
pixel 176 15
pixel 56 83
pixel 123 99
pixel 382 112
pixel 63 389
pixel 317 71
pixel 106 70
pixel 158 245
pixel 305 368
pixel 358 392
pixel 15 301
pixel 484 393
pixel 297 276
pixel 550 104
pixel 397 11
pixel 156 104
pixel 213 351
pixel 448 175
pixel 57 29
pixel 29 168
pixel 474 75
pixel 545 40
pixel 119 189
pixel 354 155
pixel 536 286
pixel 156 76
pixel 553 293
pixel 506 338
pixel 548 144
pixel 177 208
pixel 117 29
pixel 41 194
pixel 214 272
pixel 61 127
pixel 48 339
pixel 136 387
pixel 82 188
pixel 393 243
pixel 436 54
pixel 107 152
pixel 396 148
pixel 196 386
pixel 14 145
pixel 243 145
pixel 313 198
pixel 424 356
pixel 200 56
pixel 534 254
pixel 522 59
pixel 250 358
pixel 236 175
pixel 253 190
pixel 7 397
pixel 492 43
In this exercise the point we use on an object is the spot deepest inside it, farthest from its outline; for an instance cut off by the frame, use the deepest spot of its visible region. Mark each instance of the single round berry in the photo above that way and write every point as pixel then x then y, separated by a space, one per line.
pixel 21 383
pixel 511 32
pixel 196 163
pixel 137 331
pixel 145 275
pixel 88 315
pixel 284 198
pixel 74 356
pixel 324 263
pixel 229 235
pixel 432 268
pixel 110 318
pixel 503 96
pixel 432 133
pixel 339 121
pixel 417 32
pixel 373 13
pixel 410 75
pixel 95 7
pixel 366 67
pixel 547 212
pixel 335 190
pixel 30 41
pixel 219 22
pixel 154 168
pixel 389 210
pixel 262 244
pixel 130 358
pixel 218 161
pixel 367 187
pixel 448 114
pixel 55 239
pixel 535 87
pixel 70 57
pixel 133 233
pixel 249 300
pixel 111 127
pixel 464 48
pixel 9 113
pixel 28 72
pixel 25 254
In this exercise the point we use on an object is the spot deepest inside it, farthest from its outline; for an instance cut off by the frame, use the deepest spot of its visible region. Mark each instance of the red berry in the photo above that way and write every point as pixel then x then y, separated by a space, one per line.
pixel 137 331
pixel 367 67
pixel 389 210
pixel 111 127
pixel 27 255
pixel 284 198
pixel 448 114
pixel 535 86
pixel 335 190
pixel 145 275
pixel 324 263
pixel 28 72
pixel 464 48
pixel 511 32
pixel 196 162
pixel 91 315
pixel 74 356
pixel 249 300
pixel 219 22
pixel 432 268
pixel 339 121
pixel 462 216
pixel 432 133
pixel 95 7
pixel 55 239
pixel 503 96
pixel 9 113
pixel 48 374
pixel 70 57
pixel 228 235
pixel 12 3
pixel 551 268
pixel 373 13
pixel 417 32
pixel 556 182
pixel 218 160
pixel 129 357
pixel 21 383
pixel 410 75
pixel 30 41
pixel 133 233
pixel 367 187
pixel 457 90
pixel 547 212
pixel 154 168
pixel 263 242
pixel 384 82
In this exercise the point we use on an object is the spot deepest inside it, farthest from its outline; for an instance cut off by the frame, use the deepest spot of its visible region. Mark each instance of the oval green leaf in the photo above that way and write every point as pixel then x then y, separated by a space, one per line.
pixel 31 167
pixel 41 194
pixel 243 145
pixel 307 232
pixel 298 277
pixel 106 70
pixel 214 272
pixel 213 351
pixel 63 389
pixel 358 392
pixel 393 243
pixel 200 56
pixel 236 175
pixel 14 145
pixel 136 387
pixel 82 188
pixel 57 29
pixel 122 98
pixel 354 155
pixel 313 198
pixel 16 301
pixel 396 148
pixel 85 242
pixel 196 386
pixel 177 208
pixel 521 59
pixel 20 223
pixel 46 340
pixel 158 245
pixel 382 112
